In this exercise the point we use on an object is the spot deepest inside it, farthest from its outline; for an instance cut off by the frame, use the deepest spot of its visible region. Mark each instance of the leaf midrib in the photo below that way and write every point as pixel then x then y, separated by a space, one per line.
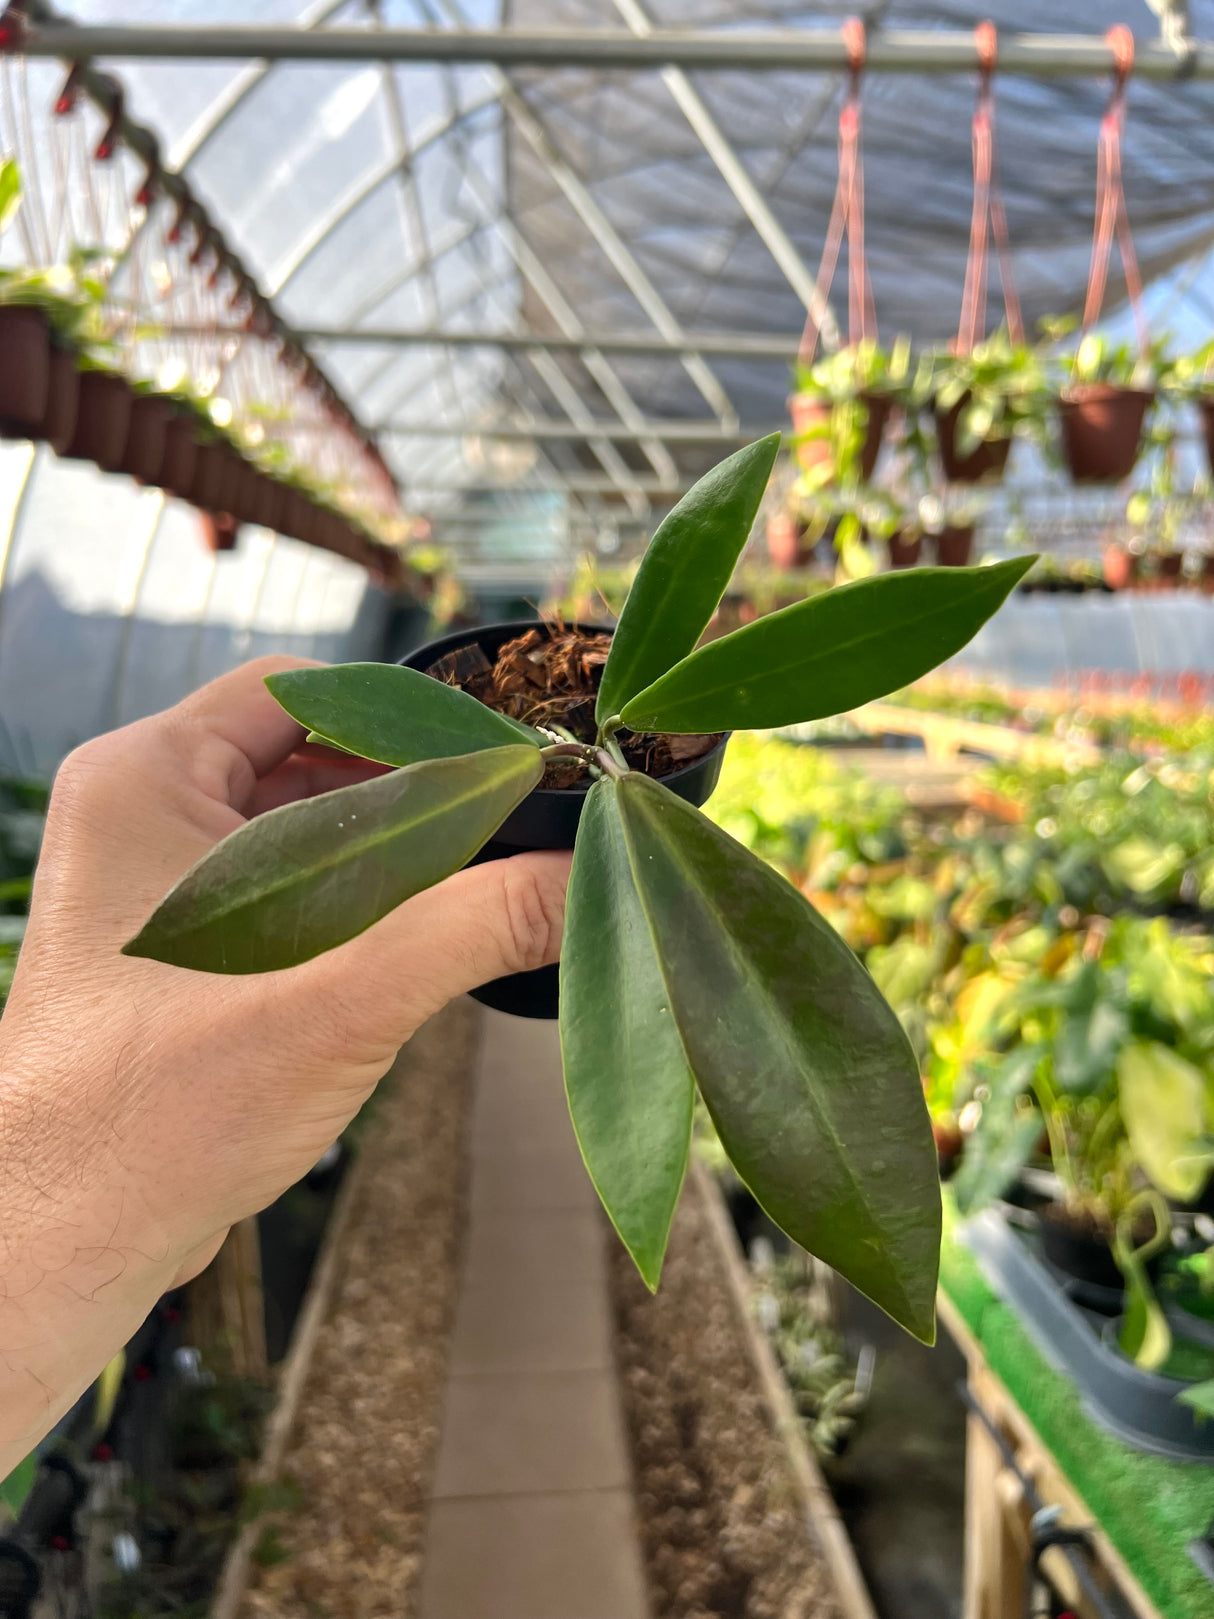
pixel 339 857
pixel 829 1132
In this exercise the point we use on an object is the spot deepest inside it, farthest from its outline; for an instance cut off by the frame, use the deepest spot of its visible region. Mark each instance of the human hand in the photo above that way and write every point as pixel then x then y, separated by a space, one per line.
pixel 146 1108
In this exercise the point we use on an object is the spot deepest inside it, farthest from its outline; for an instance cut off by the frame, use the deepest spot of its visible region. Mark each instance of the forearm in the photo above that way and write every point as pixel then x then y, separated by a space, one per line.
pixel 81 1266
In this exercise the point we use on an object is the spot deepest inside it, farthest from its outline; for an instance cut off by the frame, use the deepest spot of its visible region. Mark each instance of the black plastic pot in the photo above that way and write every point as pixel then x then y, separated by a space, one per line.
pixel 25 343
pixel 1081 1255
pixel 548 817
pixel 1139 1407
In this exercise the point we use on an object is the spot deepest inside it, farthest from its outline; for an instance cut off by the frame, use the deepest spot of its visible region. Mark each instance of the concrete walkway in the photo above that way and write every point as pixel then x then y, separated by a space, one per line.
pixel 532 1510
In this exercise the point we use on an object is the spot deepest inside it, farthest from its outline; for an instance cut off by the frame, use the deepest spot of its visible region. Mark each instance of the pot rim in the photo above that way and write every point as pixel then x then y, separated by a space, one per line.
pixel 1083 393
pixel 521 624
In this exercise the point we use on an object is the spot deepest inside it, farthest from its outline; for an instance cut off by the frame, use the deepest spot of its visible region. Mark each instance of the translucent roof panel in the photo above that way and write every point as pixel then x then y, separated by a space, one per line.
pixel 427 197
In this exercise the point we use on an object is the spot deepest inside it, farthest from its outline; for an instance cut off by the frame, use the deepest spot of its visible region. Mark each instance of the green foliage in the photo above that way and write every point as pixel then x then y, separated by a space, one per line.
pixel 10 191
pixel 856 369
pixel 687 963
pixel 828 654
pixel 684 573
pixel 630 1091
pixel 393 715
pixel 1002 387
pixel 306 877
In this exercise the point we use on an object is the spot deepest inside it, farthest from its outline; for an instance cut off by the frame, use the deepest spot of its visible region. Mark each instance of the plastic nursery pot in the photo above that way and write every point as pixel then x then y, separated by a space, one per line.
pixel 25 342
pixel 904 550
pixel 548 817
pixel 144 453
pixel 1168 568
pixel 1120 567
pixel 220 530
pixel 103 420
pixel 268 502
pixel 1077 1252
pixel 1205 408
pixel 985 463
pixel 1102 430
pixel 58 422
pixel 179 457
pixel 954 546
pixel 811 410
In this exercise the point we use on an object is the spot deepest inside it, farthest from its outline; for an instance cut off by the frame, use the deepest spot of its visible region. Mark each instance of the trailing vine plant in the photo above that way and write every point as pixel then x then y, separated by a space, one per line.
pixel 687 963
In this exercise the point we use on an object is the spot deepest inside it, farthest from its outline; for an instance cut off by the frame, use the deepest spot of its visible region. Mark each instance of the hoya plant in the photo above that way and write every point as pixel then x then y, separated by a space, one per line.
pixel 688 964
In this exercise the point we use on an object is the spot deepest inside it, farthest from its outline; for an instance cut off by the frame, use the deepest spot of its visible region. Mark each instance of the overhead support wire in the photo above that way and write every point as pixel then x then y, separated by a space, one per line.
pixel 571 484
pixel 776 50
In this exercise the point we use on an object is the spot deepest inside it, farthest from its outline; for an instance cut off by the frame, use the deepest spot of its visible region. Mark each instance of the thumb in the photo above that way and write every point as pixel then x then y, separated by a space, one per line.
pixel 486 921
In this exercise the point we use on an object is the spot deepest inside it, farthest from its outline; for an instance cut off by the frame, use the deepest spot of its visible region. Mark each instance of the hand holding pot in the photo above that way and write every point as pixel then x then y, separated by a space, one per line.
pixel 144 1108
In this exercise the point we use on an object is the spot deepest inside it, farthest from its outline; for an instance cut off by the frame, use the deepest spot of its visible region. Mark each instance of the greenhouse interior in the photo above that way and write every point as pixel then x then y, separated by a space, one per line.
pixel 713 1116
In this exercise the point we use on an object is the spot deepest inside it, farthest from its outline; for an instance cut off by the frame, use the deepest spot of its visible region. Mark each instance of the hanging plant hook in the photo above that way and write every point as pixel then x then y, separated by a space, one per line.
pixel 1112 219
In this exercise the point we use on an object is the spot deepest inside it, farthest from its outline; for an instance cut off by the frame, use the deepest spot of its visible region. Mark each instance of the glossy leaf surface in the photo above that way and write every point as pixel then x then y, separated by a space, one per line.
pixel 684 572
pixel 811 1083
pixel 310 875
pixel 826 655
pixel 393 715
pixel 626 1076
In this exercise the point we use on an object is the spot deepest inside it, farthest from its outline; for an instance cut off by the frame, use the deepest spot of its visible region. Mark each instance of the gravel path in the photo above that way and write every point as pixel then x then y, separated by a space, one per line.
pixel 357 1472
pixel 720 1527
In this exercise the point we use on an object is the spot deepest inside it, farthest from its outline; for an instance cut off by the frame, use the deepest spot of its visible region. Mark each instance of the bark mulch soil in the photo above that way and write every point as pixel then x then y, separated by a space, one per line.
pixel 722 1533
pixel 349 1544
pixel 551 678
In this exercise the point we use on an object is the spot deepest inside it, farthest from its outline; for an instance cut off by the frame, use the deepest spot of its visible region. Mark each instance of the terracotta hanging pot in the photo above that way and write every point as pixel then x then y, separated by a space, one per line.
pixel 985 463
pixel 269 503
pixel 1168 568
pixel 1102 430
pixel 904 549
pixel 25 343
pixel 810 410
pixel 1120 567
pixel 103 420
pixel 955 546
pixel 178 461
pixel 58 426
pixel 785 541
pixel 143 456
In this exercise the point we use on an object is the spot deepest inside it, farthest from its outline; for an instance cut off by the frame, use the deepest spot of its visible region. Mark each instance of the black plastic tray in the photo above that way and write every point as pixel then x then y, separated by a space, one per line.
pixel 1139 1407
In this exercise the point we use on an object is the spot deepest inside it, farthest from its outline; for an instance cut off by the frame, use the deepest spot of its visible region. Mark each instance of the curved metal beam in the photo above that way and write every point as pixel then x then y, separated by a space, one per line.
pixel 322 228
pixel 238 90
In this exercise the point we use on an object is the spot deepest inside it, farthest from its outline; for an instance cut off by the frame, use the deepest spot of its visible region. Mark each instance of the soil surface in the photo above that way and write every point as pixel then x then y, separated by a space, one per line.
pixel 721 1529
pixel 349 1544
pixel 550 677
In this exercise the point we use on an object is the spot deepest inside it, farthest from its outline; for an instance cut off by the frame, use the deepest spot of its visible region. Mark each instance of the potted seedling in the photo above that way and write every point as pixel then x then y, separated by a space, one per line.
pixel 980 401
pixel 1103 408
pixel 687 962
pixel 1189 379
pixel 840 409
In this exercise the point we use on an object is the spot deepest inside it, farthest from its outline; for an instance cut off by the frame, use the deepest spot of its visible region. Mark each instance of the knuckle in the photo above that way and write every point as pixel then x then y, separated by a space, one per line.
pixel 534 917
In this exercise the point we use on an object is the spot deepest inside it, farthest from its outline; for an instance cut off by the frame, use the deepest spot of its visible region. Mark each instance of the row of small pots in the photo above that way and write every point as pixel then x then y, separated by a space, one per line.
pixel 952 547
pixel 96 415
pixel 1101 424
pixel 1166 570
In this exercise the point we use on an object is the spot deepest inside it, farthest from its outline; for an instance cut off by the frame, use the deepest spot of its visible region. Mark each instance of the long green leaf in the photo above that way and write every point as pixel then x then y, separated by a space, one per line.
pixel 626 1076
pixel 828 654
pixel 684 572
pixel 810 1081
pixel 393 715
pixel 308 876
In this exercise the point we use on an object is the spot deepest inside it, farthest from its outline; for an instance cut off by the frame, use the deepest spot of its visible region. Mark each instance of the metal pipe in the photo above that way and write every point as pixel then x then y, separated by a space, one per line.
pixel 776 50
pixel 732 345
pixel 571 484
pixel 673 432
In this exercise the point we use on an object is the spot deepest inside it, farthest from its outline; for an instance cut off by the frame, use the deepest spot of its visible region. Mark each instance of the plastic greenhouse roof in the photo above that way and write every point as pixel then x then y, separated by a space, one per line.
pixel 411 196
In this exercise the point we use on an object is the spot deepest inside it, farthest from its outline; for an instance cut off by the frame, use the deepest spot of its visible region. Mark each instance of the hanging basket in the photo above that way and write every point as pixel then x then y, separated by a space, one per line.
pixel 985 463
pixel 811 411
pixel 58 425
pixel 955 546
pixel 904 549
pixel 103 420
pixel 1205 407
pixel 1102 427
pixel 143 457
pixel 180 456
pixel 25 343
